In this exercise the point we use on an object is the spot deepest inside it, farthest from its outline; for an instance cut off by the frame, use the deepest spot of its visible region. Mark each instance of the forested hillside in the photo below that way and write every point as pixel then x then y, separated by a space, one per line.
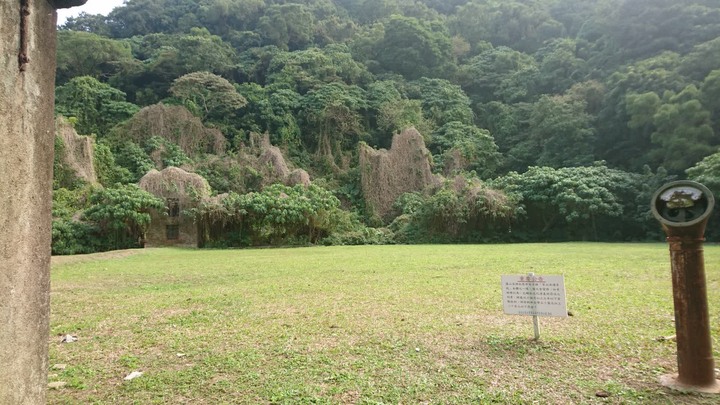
pixel 543 119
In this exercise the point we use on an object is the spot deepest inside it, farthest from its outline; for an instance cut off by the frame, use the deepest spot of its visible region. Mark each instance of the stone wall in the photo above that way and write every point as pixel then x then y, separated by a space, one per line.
pixel 27 84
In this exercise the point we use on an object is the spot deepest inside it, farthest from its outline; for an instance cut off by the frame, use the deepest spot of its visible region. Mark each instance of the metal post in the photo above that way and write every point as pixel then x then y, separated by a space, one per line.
pixel 683 209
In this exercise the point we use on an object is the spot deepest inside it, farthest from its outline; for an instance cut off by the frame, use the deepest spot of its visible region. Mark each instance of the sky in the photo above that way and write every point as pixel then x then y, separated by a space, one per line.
pixel 91 7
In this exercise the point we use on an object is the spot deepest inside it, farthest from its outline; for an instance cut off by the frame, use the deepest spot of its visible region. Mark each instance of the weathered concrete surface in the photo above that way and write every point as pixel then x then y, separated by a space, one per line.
pixel 26 156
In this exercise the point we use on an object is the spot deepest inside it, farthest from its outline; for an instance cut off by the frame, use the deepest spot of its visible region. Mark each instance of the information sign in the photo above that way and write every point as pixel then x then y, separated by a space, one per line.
pixel 534 295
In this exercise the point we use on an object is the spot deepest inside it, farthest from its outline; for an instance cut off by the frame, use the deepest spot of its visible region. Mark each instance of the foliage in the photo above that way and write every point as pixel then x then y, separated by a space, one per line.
pixel 162 58
pixel 475 147
pixel 308 69
pixel 501 74
pixel 165 153
pixel 493 86
pixel 561 132
pixel 442 101
pixel 461 210
pixel 71 237
pixel 96 106
pixel 559 66
pixel 271 110
pixel 69 234
pixel 684 130
pixel 122 213
pixel 229 174
pixel 107 169
pixel 277 215
pixel 207 95
pixel 360 235
pixel 707 172
pixel 332 118
pixel 131 156
pixel 414 48
pixel 82 53
pixel 287 26
pixel 588 203
pixel 518 24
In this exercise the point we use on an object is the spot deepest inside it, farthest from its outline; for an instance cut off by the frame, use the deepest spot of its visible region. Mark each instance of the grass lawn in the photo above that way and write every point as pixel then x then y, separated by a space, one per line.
pixel 366 325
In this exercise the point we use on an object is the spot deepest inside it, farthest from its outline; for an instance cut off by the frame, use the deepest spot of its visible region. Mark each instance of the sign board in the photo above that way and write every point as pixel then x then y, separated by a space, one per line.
pixel 534 295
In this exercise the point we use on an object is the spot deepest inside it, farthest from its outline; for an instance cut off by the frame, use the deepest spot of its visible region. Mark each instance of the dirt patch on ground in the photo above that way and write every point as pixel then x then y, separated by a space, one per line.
pixel 115 254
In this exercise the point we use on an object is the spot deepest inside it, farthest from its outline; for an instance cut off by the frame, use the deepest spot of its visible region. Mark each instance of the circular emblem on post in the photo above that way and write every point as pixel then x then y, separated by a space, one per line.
pixel 682 203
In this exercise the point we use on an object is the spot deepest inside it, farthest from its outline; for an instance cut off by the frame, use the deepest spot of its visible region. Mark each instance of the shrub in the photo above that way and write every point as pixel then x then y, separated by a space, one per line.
pixel 460 210
pixel 70 237
pixel 121 213
pixel 278 215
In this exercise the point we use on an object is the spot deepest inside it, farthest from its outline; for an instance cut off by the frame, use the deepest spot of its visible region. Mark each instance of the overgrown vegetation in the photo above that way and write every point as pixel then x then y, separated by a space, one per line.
pixel 593 101
pixel 97 218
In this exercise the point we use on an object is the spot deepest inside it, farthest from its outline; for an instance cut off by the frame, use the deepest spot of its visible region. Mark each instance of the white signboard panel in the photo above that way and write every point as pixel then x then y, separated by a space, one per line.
pixel 534 295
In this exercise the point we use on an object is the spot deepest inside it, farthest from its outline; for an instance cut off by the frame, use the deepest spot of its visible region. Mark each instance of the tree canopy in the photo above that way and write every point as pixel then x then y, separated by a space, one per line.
pixel 514 93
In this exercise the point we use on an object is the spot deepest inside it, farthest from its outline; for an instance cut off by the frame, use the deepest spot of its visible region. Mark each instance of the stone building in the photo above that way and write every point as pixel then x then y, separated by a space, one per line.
pixel 181 191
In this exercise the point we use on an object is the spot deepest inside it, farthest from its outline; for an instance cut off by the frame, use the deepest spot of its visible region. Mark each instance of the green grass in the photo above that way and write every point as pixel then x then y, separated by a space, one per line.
pixel 366 325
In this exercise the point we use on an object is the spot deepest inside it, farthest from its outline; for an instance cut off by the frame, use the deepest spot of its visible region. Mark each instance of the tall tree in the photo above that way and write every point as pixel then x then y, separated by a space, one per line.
pixel 88 54
pixel 522 25
pixel 684 133
pixel 414 48
pixel 469 148
pixel 332 118
pixel 559 66
pixel 142 17
pixel 442 101
pixel 84 22
pixel 561 133
pixel 96 106
pixel 500 74
pixel 207 95
pixel 572 202
pixel 164 58
pixel 287 26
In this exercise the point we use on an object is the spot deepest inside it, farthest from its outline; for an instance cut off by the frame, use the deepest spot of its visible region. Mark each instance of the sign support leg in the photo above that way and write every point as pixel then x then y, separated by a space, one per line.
pixel 536 320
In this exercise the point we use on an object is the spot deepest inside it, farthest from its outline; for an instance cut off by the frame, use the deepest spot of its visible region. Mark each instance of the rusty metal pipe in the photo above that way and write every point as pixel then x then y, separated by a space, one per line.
pixel 692 322
pixel 683 209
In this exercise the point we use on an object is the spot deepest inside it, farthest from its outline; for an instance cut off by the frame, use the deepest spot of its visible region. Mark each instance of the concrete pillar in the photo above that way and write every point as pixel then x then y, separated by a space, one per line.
pixel 27 81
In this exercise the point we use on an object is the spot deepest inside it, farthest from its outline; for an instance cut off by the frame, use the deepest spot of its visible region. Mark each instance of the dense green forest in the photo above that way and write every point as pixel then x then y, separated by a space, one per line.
pixel 548 119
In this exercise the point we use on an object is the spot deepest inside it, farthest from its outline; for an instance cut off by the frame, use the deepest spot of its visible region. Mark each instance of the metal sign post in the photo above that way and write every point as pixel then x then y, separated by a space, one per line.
pixel 536 326
pixel 536 319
